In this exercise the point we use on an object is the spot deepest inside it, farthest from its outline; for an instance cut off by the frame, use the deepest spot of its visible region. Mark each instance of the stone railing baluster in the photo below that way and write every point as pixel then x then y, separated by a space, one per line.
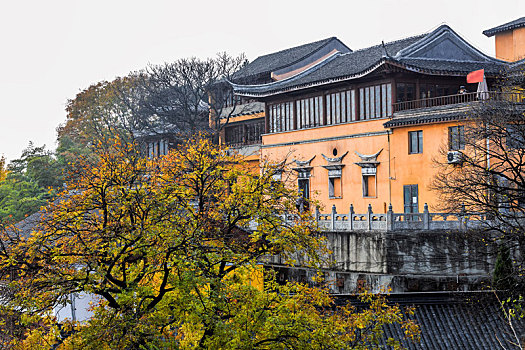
pixel 334 213
pixel 426 217
pixel 351 217
pixel 390 218
pixel 369 217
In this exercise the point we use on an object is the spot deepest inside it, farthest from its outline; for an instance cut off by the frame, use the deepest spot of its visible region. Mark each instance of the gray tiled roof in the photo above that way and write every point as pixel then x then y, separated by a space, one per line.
pixel 518 23
pixel 355 62
pixel 440 52
pixel 518 66
pixel 452 320
pixel 453 67
pixel 281 59
pixel 29 224
pixel 342 65
pixel 452 323
pixel 426 116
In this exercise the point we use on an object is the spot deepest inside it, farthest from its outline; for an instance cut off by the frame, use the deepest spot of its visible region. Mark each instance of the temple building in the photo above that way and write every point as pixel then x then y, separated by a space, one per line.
pixel 364 127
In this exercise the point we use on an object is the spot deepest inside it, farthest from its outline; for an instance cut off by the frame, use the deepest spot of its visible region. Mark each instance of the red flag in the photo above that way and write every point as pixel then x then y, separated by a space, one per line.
pixel 476 76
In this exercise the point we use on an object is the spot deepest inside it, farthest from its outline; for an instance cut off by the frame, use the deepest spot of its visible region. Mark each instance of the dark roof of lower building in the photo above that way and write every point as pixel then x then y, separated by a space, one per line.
pixel 518 23
pixel 461 325
pixel 29 224
pixel 456 320
pixel 518 66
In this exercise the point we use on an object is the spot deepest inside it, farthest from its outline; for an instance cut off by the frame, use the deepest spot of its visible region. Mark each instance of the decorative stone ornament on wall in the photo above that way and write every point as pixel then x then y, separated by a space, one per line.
pixel 368 163
pixel 334 165
pixel 303 168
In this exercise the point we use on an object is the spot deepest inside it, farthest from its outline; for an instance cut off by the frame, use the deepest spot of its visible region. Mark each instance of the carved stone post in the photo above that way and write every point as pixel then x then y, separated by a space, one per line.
pixel 426 217
pixel 369 215
pixel 462 218
pixel 390 218
pixel 332 221
pixel 351 217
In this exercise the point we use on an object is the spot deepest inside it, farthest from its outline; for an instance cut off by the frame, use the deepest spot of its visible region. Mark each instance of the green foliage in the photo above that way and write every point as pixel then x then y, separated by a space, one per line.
pixel 503 278
pixel 28 183
pixel 168 247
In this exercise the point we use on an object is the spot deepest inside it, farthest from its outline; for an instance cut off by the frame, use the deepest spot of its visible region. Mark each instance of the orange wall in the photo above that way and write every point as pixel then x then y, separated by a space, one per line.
pixel 417 169
pixel 504 46
pixel 352 138
pixel 405 168
pixel 510 45
pixel 519 44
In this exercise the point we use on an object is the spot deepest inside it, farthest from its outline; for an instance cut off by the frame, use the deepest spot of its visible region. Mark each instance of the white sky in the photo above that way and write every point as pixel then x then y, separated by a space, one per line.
pixel 52 49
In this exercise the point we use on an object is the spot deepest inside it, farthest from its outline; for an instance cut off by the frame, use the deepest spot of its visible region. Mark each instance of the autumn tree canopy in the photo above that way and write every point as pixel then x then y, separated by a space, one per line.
pixel 3 169
pixel 180 98
pixel 171 247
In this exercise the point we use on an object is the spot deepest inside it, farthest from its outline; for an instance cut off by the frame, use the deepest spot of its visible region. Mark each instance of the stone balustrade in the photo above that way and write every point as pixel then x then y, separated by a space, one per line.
pixel 391 221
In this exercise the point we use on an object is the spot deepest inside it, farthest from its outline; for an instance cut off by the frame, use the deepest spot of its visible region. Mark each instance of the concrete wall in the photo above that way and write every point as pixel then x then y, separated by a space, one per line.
pixel 402 261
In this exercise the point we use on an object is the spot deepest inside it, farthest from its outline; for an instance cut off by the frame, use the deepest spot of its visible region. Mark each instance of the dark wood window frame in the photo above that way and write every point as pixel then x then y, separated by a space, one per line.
pixel 369 186
pixel 245 133
pixel 375 100
pixel 335 187
pixel 456 138
pixel 332 107
pixel 415 142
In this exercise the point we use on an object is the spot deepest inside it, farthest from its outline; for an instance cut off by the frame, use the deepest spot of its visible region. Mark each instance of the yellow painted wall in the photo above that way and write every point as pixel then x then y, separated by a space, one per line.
pixel 352 138
pixel 519 44
pixel 420 169
pixel 397 167
pixel 504 46
pixel 405 168
pixel 510 45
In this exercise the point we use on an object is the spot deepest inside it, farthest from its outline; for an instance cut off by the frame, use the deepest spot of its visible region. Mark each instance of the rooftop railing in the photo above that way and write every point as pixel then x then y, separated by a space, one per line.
pixel 511 97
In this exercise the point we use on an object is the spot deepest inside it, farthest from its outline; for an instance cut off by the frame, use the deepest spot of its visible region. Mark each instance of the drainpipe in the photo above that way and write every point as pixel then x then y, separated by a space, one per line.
pixel 389 171
pixel 488 148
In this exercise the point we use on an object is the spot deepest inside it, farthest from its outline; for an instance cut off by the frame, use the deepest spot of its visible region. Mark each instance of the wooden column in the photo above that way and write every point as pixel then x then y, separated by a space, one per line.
pixel 294 108
pixel 266 119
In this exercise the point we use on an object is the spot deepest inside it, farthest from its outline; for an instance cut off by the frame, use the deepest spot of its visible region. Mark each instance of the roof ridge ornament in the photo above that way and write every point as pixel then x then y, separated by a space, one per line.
pixel 384 49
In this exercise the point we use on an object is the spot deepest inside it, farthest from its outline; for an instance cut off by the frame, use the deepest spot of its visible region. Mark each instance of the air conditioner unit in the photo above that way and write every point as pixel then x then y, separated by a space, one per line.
pixel 454 157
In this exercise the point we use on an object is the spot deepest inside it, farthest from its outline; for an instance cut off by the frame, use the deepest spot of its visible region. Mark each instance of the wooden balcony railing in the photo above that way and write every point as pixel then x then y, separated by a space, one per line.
pixel 512 97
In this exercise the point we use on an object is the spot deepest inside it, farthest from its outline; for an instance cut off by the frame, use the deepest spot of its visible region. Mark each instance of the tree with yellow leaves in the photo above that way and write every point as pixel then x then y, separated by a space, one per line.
pixel 3 170
pixel 168 246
